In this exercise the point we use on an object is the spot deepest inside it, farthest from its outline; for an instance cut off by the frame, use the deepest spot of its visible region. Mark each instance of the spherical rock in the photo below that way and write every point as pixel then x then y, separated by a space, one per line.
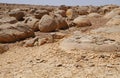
pixel 47 24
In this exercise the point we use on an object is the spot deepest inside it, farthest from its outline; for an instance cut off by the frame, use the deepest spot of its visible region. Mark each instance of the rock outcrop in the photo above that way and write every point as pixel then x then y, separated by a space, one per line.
pixel 89 42
pixel 114 21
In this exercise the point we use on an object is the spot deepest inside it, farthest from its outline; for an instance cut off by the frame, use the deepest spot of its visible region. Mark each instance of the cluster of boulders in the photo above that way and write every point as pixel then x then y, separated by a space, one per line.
pixel 22 23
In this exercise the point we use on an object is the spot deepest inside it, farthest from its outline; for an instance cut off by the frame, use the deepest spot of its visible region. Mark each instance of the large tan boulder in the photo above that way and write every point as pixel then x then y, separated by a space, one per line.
pixel 47 24
pixel 61 22
pixel 32 22
pixel 17 13
pixel 82 21
pixel 14 33
pixel 113 13
pixel 39 13
pixel 114 21
pixel 71 13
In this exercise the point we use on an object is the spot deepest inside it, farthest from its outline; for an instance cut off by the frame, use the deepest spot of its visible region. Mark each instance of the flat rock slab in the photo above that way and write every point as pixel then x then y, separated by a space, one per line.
pixel 90 42
pixel 111 29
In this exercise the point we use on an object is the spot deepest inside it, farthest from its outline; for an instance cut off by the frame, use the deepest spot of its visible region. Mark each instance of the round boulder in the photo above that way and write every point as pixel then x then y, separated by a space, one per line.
pixel 47 24
pixel 82 21
pixel 61 22
pixel 71 14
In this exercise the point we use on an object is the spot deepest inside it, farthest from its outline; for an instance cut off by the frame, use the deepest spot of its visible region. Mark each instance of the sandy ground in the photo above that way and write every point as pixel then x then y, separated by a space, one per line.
pixel 49 61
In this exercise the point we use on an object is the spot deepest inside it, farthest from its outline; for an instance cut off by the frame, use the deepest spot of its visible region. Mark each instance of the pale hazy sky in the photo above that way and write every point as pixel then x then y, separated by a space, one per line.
pixel 63 2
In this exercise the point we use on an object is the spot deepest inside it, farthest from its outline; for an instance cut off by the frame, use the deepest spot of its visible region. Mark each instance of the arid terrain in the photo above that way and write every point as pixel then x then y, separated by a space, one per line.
pixel 59 41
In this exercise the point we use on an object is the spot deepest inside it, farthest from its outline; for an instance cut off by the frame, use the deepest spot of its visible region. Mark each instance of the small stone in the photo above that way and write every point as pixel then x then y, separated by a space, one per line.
pixel 59 65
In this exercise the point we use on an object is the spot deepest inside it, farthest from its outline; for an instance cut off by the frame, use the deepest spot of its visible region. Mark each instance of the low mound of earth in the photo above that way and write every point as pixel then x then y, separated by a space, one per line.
pixel 66 51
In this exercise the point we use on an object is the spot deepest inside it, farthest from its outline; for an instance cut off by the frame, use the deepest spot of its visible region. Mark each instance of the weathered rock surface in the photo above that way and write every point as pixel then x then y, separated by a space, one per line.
pixel 107 8
pixel 15 33
pixel 61 22
pixel 32 22
pixel 71 13
pixel 113 13
pixel 39 13
pixel 114 21
pixel 17 13
pixel 10 20
pixel 61 12
pixel 47 24
pixel 110 29
pixel 96 15
pixel 82 21
pixel 89 42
